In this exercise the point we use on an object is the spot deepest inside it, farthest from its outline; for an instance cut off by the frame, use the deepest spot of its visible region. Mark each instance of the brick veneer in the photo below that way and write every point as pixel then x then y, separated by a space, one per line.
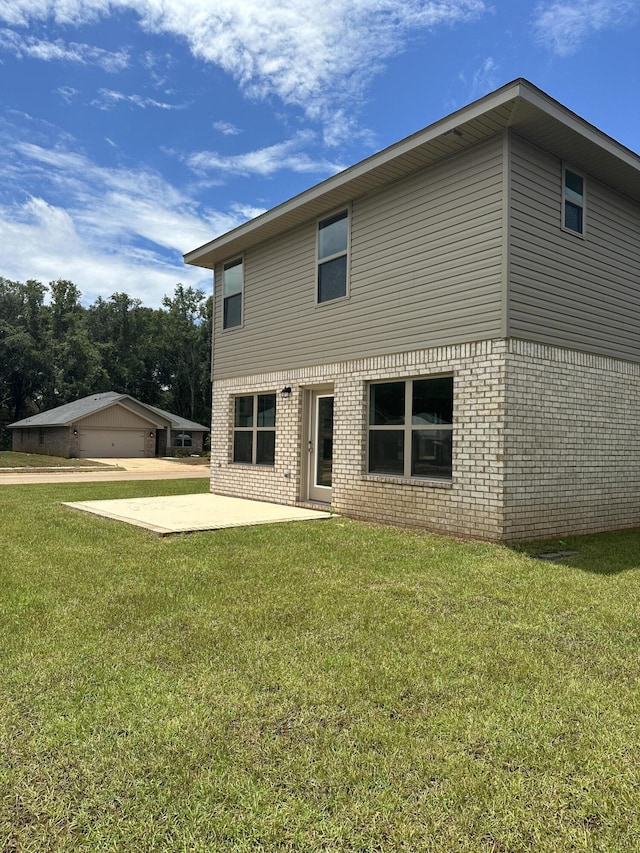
pixel 572 442
pixel 546 442
pixel 471 504
pixel 57 441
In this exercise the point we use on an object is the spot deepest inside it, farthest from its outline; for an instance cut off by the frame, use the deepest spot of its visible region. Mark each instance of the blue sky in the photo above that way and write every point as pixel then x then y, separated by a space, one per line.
pixel 132 131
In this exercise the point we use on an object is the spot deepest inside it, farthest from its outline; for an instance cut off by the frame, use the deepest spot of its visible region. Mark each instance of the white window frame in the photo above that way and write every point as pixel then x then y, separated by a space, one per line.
pixel 342 253
pixel 408 428
pixel 582 205
pixel 231 264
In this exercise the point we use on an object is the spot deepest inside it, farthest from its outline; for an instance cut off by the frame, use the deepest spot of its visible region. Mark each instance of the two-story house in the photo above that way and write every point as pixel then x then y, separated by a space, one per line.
pixel 446 334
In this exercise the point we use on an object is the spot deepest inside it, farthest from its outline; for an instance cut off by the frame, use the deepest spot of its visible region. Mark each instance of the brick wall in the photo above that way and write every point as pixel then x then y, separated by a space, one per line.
pixel 471 504
pixel 572 442
pixel 546 442
pixel 57 441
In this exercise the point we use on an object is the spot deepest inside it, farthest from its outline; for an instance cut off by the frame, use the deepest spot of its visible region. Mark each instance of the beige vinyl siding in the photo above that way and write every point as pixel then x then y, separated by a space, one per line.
pixel 565 290
pixel 116 417
pixel 425 270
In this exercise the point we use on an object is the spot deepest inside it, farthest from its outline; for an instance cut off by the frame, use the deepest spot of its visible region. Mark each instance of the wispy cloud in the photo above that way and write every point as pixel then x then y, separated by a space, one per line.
pixel 50 51
pixel 563 27
pixel 484 79
pixel 108 99
pixel 289 155
pixel 481 81
pixel 226 128
pixel 101 227
pixel 316 56
pixel 67 93
pixel 157 65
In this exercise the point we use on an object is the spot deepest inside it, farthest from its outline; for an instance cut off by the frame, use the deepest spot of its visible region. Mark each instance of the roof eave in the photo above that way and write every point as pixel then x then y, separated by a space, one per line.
pixel 217 249
pixel 491 113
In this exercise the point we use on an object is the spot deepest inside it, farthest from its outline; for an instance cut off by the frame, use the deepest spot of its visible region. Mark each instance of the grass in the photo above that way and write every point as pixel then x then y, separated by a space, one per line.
pixel 328 686
pixel 11 459
pixel 192 460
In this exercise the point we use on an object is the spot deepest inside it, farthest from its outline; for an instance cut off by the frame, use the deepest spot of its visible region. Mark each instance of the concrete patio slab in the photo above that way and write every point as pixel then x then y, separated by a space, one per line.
pixel 187 513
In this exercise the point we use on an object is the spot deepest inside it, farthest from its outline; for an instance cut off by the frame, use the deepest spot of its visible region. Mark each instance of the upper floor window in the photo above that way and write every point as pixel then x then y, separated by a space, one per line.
pixel 333 241
pixel 573 201
pixel 232 284
pixel 411 427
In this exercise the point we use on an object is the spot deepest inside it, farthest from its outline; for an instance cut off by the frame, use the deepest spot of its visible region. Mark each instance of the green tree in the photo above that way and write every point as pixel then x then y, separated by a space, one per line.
pixel 24 364
pixel 55 352
pixel 128 337
pixel 76 360
pixel 186 363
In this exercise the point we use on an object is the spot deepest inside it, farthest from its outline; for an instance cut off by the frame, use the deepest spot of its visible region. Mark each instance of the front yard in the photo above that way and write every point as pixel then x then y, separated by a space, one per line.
pixel 329 686
pixel 13 459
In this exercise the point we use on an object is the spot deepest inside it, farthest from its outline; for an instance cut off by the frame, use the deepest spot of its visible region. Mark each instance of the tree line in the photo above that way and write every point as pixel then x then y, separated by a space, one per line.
pixel 54 350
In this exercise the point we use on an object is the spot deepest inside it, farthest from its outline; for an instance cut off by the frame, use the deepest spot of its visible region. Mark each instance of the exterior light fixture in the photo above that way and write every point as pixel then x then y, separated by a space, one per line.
pixel 75 432
pixel 286 391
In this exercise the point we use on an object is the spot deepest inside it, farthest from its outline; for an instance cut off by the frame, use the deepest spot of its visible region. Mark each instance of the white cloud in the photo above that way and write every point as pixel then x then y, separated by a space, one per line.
pixel 226 128
pixel 485 78
pixel 317 56
pixel 564 27
pixel 264 161
pixel 63 252
pixel 67 93
pixel 49 51
pixel 107 99
pixel 119 229
pixel 74 12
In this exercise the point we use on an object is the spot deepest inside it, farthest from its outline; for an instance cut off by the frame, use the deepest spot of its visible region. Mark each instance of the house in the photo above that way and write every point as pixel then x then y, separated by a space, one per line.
pixel 107 425
pixel 446 334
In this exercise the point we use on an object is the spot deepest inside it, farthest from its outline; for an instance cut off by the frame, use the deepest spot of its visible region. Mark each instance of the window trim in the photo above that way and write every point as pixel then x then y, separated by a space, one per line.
pixel 254 429
pixel 582 206
pixel 408 428
pixel 342 253
pixel 233 262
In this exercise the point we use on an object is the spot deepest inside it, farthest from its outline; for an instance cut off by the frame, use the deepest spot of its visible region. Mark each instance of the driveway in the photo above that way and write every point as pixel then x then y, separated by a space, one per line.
pixel 118 469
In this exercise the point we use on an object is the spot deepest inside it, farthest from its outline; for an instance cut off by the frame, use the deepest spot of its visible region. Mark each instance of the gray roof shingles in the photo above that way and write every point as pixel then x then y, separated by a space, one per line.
pixel 78 409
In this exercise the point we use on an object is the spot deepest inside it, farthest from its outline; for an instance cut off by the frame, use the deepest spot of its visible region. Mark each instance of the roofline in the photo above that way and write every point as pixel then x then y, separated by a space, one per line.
pixel 153 415
pixel 22 423
pixel 214 251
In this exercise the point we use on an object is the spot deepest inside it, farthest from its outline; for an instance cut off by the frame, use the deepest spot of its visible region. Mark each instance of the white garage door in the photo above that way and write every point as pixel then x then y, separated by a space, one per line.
pixel 127 443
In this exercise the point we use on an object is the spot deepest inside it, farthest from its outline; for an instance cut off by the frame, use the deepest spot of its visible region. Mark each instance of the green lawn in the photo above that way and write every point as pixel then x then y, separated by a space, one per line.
pixel 329 686
pixel 9 459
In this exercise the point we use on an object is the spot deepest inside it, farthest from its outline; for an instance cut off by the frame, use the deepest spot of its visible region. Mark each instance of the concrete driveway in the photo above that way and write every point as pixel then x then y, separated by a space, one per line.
pixel 118 469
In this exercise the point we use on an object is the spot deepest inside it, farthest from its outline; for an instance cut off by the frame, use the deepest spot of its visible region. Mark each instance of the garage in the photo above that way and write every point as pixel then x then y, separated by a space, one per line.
pixel 111 443
pixel 107 425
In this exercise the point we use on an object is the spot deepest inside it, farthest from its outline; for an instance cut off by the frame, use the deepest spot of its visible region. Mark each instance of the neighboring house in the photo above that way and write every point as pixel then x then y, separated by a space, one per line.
pixel 107 425
pixel 445 335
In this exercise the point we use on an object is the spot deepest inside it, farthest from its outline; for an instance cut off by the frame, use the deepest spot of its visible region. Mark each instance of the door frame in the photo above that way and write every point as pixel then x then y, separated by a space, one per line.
pixel 311 492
